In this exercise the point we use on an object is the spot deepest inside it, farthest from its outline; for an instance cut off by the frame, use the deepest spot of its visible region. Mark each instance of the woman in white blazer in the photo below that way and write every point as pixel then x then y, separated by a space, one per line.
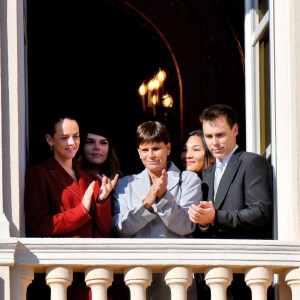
pixel 154 203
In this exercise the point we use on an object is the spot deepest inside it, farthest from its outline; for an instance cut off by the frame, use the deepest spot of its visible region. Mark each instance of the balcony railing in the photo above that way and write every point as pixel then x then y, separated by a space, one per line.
pixel 137 259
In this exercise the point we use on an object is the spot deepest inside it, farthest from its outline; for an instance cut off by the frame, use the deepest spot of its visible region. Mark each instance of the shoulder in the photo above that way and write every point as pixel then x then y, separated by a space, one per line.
pixel 250 158
pixel 189 175
pixel 86 175
pixel 255 166
pixel 125 181
pixel 36 176
pixel 185 175
pixel 207 173
pixel 36 170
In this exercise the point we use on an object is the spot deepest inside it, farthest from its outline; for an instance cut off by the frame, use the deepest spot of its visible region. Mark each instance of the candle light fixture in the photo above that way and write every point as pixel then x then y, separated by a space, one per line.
pixel 167 101
pixel 161 76
pixel 142 92
pixel 152 94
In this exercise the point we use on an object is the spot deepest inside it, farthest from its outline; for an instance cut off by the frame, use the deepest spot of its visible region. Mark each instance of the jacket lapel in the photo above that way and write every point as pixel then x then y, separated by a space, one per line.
pixel 227 178
pixel 84 180
pixel 142 186
pixel 62 176
pixel 208 181
pixel 173 176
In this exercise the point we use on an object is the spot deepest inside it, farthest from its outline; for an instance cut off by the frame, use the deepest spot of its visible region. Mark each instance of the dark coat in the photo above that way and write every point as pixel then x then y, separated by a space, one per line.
pixel 244 198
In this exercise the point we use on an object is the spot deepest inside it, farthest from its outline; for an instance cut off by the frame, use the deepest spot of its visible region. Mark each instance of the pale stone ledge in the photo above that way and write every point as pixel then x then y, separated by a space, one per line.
pixel 158 253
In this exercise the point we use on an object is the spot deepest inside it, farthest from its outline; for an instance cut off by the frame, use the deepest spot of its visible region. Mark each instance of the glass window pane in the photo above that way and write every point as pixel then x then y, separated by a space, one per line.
pixel 263 6
pixel 264 90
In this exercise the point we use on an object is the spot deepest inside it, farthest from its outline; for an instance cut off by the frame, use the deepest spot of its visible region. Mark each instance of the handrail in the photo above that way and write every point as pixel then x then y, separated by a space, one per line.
pixel 158 253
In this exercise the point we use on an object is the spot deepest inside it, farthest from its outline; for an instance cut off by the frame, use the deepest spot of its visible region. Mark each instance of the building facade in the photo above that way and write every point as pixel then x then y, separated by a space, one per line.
pixel 272 127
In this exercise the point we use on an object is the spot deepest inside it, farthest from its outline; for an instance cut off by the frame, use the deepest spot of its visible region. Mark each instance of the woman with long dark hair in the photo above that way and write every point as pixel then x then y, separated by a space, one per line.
pixel 98 155
pixel 62 200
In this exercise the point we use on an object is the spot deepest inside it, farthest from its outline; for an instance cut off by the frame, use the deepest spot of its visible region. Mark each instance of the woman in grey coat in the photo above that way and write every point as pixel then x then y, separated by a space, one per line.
pixel 154 203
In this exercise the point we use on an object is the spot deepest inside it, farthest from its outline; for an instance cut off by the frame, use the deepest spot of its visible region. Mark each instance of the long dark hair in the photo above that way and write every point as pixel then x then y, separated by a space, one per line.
pixel 208 155
pixel 111 167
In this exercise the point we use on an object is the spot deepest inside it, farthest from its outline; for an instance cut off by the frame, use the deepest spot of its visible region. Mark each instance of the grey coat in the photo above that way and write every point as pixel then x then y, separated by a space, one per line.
pixel 169 219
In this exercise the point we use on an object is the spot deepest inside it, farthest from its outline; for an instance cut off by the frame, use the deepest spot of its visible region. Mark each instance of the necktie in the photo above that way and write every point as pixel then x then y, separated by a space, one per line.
pixel 218 174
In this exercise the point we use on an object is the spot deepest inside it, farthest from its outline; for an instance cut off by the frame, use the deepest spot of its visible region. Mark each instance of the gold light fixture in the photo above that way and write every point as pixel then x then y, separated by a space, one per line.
pixel 150 85
pixel 161 76
pixel 142 92
pixel 151 93
pixel 156 83
pixel 154 100
pixel 167 101
pixel 143 89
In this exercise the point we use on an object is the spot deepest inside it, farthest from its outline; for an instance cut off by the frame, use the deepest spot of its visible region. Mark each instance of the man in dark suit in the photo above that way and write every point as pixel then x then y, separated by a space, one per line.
pixel 237 188
pixel 240 206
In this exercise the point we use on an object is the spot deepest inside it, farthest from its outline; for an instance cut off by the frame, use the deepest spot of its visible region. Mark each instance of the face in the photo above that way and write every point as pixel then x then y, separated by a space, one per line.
pixel 95 149
pixel 65 141
pixel 194 154
pixel 154 156
pixel 219 137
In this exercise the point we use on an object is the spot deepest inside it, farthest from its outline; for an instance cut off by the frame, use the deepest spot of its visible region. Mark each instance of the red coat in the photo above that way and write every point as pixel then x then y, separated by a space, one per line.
pixel 53 205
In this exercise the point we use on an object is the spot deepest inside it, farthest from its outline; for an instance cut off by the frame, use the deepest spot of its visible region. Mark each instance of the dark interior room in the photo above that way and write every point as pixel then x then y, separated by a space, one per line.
pixel 92 56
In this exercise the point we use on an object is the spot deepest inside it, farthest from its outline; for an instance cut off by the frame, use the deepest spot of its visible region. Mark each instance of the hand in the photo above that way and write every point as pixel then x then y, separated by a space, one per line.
pixel 87 197
pixel 162 184
pixel 107 186
pixel 151 196
pixel 157 189
pixel 202 214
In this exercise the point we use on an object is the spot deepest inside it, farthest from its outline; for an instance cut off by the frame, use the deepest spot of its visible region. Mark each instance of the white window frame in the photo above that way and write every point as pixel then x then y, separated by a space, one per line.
pixel 254 33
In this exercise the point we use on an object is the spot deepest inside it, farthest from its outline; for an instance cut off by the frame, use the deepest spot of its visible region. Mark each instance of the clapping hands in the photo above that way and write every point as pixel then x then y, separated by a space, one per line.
pixel 202 214
pixel 157 190
pixel 107 186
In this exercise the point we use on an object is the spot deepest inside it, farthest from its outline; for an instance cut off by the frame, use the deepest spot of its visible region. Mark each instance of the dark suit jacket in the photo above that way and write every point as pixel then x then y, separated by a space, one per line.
pixel 244 199
pixel 53 205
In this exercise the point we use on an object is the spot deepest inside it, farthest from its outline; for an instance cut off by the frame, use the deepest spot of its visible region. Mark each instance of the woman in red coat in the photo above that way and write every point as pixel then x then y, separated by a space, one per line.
pixel 62 200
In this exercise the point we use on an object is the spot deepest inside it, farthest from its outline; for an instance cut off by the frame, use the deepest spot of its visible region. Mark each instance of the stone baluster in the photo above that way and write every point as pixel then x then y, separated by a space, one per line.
pixel 26 277
pixel 292 277
pixel 179 279
pixel 99 279
pixel 59 278
pixel 137 279
pixel 218 279
pixel 259 279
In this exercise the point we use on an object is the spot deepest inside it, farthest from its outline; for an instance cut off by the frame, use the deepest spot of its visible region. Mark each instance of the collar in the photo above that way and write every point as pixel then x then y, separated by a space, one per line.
pixel 227 158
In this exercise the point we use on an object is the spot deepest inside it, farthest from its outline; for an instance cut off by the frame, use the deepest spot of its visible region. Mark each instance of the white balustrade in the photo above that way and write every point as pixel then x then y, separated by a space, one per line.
pixel 179 279
pixel 259 279
pixel 99 279
pixel 26 277
pixel 59 278
pixel 138 279
pixel 138 258
pixel 293 280
pixel 218 279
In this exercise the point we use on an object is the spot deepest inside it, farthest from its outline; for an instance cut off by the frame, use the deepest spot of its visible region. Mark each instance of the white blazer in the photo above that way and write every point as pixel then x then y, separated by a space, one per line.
pixel 169 219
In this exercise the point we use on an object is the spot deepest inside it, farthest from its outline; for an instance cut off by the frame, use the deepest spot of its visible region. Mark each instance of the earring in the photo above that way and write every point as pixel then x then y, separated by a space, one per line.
pixel 51 148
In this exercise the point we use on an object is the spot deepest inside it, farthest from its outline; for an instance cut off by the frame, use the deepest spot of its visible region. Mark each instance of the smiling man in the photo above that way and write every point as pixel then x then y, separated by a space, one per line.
pixel 237 188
